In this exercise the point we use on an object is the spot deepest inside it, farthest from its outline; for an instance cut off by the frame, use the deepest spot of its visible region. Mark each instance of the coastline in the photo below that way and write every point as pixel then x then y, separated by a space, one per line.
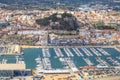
pixel 27 46
pixel 117 47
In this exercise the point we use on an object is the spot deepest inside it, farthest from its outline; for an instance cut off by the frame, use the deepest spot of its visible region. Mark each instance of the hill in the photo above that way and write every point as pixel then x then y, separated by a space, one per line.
pixel 56 21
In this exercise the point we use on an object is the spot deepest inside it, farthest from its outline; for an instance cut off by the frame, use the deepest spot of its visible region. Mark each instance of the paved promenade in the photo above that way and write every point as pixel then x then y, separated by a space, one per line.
pixel 26 46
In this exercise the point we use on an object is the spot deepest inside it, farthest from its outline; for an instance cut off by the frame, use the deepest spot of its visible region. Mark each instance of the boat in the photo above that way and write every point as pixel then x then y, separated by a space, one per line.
pixel 38 59
pixel 20 53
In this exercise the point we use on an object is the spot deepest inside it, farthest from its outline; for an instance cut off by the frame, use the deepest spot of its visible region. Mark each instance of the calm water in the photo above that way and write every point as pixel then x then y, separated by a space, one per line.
pixel 2 25
pixel 30 55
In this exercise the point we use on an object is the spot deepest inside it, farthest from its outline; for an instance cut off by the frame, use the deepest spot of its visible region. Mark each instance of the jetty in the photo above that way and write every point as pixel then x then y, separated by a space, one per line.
pixel 103 52
pixel 77 52
pixel 95 52
pixel 88 61
pixel 58 52
pixel 86 52
pixel 68 52
pixel 45 52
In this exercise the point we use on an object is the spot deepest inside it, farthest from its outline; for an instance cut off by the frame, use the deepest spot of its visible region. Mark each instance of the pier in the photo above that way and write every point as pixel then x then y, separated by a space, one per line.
pixel 117 48
pixel 46 64
pixel 39 63
pixel 86 52
pixel 113 61
pixel 88 61
pixel 64 63
pixel 58 52
pixel 71 64
pixel 67 51
pixel 77 52
pixel 95 52
pixel 102 62
pixel 103 52
pixel 45 52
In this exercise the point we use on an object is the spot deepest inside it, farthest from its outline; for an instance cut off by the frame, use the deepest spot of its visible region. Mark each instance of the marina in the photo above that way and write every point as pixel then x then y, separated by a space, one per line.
pixel 66 58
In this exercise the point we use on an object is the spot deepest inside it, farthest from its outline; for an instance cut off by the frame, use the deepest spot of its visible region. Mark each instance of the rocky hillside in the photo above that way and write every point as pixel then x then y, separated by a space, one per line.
pixel 56 21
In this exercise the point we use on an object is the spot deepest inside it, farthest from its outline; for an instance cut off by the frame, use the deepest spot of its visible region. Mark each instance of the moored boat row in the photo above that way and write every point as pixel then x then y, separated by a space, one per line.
pixel 86 52
pixel 77 52
pixel 45 52
pixel 95 52
pixel 103 51
pixel 88 61
pixel 68 52
pixel 58 52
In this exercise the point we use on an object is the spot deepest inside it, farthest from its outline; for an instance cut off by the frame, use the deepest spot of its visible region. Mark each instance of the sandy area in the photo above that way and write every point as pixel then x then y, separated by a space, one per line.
pixel 71 76
pixel 12 66
pixel 110 78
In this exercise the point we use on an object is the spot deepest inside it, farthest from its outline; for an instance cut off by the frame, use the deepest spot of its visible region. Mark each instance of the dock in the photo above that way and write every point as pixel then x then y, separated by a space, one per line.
pixel 103 52
pixel 58 52
pixel 68 52
pixel 88 61
pixel 45 52
pixel 77 52
pixel 86 52
pixel 19 65
pixel 102 62
pixel 95 52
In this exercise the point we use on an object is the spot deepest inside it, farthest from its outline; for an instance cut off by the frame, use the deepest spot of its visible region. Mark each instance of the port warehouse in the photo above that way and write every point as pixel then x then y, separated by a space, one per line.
pixel 29 72
pixel 15 73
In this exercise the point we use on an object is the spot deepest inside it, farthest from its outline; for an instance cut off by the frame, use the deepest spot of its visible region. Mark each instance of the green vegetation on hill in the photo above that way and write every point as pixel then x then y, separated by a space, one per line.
pixel 101 25
pixel 43 22
pixel 56 21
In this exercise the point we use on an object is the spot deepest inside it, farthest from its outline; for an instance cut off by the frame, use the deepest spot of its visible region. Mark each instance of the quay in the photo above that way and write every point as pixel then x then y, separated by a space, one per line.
pixel 19 65
pixel 103 46
pixel 77 52
pixel 58 52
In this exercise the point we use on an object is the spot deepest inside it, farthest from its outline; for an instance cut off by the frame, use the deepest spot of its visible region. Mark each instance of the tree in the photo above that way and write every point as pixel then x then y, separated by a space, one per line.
pixel 43 22
pixel 100 23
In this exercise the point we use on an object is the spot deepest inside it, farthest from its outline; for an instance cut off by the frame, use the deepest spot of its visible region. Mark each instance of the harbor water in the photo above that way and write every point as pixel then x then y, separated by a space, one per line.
pixel 80 56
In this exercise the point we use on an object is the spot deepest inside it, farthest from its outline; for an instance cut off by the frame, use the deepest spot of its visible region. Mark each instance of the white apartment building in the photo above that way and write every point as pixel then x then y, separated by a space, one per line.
pixel 31 32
